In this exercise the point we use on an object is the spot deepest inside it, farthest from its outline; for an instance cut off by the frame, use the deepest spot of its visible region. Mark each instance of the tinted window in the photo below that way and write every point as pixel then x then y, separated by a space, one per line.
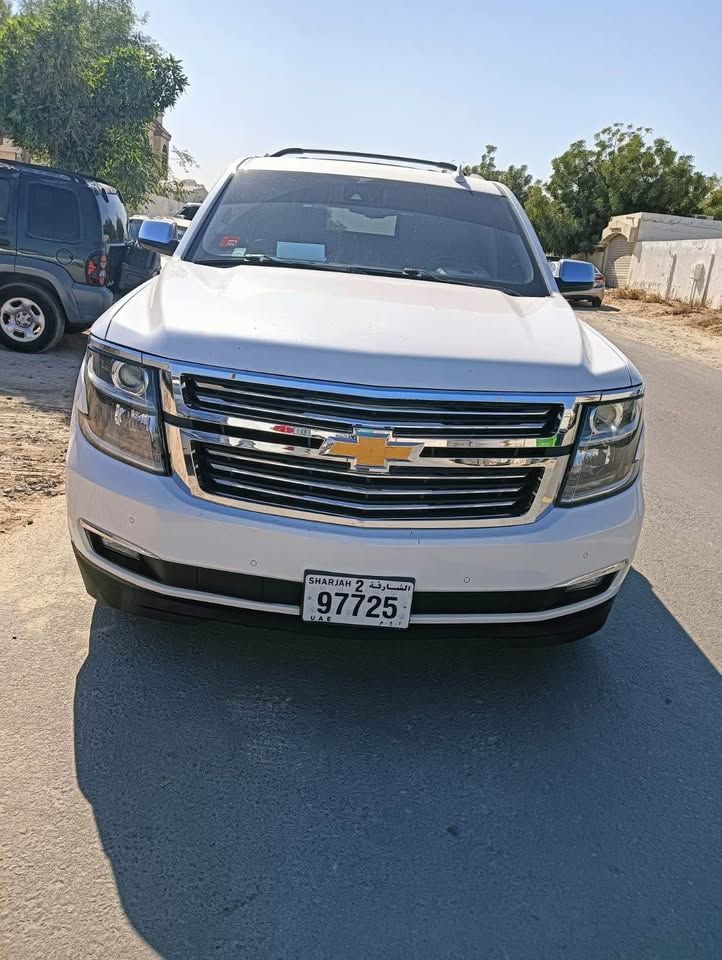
pixel 53 213
pixel 4 198
pixel 113 216
pixel 134 225
pixel 345 222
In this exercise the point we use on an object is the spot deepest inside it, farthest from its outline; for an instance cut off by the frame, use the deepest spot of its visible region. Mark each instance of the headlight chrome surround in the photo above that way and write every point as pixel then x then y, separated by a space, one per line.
pixel 608 451
pixel 120 412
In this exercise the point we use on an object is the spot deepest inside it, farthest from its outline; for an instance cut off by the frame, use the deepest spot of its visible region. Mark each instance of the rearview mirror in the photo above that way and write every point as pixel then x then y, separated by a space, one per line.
pixel 574 275
pixel 158 236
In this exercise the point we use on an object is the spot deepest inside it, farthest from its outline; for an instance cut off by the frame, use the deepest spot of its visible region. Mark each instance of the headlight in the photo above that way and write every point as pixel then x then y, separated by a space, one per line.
pixel 121 410
pixel 608 453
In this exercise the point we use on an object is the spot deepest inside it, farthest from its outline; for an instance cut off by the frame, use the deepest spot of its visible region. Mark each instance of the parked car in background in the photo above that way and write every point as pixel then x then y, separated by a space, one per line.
pixel 188 211
pixel 356 396
pixel 134 224
pixel 181 224
pixel 593 293
pixel 63 244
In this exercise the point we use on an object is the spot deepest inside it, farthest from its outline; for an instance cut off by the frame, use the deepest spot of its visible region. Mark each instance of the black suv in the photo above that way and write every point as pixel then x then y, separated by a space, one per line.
pixel 64 254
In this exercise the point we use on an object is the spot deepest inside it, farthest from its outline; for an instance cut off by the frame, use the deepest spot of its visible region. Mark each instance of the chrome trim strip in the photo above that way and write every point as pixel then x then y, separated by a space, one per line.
pixel 481 618
pixel 592 575
pixel 266 446
pixel 93 528
pixel 291 610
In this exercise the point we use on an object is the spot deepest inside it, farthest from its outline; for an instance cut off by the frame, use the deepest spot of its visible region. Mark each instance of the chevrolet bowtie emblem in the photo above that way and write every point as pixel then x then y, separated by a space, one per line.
pixel 369 451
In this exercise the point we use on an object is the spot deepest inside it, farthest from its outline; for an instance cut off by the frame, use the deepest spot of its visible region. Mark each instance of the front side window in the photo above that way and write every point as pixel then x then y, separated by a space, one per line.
pixel 367 224
pixel 53 213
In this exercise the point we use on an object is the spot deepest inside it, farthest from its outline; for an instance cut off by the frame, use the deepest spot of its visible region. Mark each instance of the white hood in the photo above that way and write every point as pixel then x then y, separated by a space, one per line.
pixel 366 330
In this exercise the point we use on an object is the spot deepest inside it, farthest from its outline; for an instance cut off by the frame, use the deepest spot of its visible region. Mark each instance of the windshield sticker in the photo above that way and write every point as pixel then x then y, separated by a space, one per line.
pixel 287 250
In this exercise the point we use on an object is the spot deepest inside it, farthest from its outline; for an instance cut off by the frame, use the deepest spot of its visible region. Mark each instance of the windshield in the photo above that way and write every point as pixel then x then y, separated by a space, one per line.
pixel 343 222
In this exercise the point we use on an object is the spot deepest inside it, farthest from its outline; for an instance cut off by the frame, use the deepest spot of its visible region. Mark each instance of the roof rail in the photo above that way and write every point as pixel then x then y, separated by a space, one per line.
pixel 415 161
pixel 58 171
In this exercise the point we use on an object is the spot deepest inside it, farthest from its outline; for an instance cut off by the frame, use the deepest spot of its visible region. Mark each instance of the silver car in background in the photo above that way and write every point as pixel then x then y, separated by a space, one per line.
pixel 594 294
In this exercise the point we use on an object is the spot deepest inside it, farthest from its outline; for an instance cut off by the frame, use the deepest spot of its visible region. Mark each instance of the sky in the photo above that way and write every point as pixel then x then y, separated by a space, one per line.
pixel 439 80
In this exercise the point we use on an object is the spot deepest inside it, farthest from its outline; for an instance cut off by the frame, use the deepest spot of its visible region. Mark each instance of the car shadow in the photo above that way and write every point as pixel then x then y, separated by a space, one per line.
pixel 264 795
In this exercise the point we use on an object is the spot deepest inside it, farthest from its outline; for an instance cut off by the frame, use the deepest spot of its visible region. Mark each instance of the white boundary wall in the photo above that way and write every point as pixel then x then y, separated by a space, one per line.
pixel 689 270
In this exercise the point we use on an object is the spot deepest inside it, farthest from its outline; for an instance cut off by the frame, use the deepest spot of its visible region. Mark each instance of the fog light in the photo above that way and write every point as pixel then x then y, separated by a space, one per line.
pixel 591 580
pixel 118 546
pixel 584 584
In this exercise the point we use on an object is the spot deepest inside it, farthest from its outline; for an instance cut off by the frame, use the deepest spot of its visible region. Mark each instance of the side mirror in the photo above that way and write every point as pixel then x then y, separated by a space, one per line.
pixel 574 275
pixel 158 236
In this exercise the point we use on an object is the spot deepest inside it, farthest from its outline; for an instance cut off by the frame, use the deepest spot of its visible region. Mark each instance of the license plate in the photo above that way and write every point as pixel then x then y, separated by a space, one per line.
pixel 362 601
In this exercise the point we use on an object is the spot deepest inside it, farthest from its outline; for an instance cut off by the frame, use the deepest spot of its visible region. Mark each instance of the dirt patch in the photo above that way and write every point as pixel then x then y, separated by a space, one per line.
pixel 668 325
pixel 36 396
pixel 645 304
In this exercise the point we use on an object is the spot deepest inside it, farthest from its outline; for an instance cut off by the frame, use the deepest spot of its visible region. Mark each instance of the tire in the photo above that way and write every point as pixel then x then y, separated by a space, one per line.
pixel 595 302
pixel 31 319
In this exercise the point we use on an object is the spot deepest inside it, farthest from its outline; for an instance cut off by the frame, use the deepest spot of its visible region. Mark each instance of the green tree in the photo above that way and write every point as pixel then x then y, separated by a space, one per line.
pixel 517 179
pixel 80 85
pixel 712 205
pixel 558 231
pixel 623 172
pixel 5 10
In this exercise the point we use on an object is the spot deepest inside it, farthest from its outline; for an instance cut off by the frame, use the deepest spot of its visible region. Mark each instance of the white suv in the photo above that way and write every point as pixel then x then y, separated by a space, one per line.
pixel 355 395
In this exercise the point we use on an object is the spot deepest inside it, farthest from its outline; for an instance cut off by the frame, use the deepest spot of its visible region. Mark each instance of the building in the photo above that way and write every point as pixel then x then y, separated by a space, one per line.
pixel 158 136
pixel 160 140
pixel 8 150
pixel 622 238
pixel 192 192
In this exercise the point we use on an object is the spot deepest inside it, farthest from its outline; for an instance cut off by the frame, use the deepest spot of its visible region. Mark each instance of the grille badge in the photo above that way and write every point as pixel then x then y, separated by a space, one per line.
pixel 370 451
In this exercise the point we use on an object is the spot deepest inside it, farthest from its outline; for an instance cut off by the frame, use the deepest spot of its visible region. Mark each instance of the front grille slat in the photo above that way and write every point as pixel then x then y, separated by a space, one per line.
pixel 369 490
pixel 204 388
pixel 348 506
pixel 322 467
pixel 306 417
pixel 406 495
pixel 341 409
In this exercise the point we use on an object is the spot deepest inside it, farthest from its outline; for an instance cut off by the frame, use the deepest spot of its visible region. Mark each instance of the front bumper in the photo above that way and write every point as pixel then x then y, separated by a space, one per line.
pixel 158 515
pixel 593 293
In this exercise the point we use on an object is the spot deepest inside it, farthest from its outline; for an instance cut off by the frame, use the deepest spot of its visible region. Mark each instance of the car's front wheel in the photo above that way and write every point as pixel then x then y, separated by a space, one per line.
pixel 31 320
pixel 595 302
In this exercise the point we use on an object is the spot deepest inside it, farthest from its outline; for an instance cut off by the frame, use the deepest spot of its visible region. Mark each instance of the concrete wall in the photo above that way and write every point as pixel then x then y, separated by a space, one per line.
pixel 657 226
pixel 689 270
pixel 168 207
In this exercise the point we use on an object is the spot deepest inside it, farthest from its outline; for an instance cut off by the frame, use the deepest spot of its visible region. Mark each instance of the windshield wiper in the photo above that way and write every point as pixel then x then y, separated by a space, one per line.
pixel 264 260
pixel 412 273
pixel 419 273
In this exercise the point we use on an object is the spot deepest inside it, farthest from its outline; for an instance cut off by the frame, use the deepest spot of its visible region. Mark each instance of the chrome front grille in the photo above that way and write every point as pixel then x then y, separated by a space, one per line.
pixel 405 494
pixel 269 444
pixel 337 408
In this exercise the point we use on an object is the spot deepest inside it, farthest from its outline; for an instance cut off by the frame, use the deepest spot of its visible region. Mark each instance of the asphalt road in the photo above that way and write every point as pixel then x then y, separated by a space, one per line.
pixel 216 793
